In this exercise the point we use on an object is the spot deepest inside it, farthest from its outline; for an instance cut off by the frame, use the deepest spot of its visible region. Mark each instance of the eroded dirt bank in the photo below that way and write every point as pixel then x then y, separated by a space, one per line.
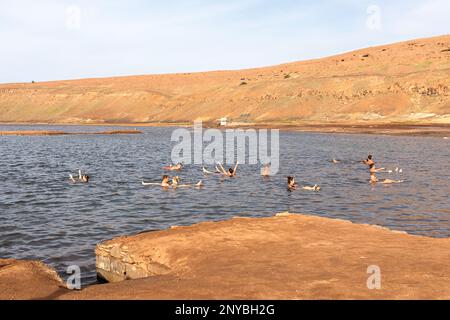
pixel 24 280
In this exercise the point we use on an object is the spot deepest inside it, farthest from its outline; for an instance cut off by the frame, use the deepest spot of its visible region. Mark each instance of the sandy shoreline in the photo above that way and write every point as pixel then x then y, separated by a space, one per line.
pixel 287 256
pixel 61 133
pixel 410 129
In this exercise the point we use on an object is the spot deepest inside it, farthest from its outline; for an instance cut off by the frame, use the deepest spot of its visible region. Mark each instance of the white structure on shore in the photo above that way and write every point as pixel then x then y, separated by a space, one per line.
pixel 222 121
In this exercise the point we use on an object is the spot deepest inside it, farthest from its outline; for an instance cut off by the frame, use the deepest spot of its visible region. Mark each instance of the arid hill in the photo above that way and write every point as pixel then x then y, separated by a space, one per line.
pixel 407 82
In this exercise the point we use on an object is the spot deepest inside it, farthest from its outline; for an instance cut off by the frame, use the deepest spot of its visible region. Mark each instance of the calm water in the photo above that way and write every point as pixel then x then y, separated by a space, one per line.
pixel 45 217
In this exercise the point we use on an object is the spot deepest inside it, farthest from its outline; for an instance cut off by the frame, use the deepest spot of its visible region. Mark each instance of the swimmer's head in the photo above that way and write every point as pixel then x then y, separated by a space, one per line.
pixel 369 157
pixel 290 180
pixel 231 171
pixel 85 178
pixel 175 180
pixel 165 177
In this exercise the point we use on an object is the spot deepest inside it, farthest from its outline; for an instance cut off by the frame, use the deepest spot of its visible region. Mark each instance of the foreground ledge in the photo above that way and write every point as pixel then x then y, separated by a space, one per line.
pixel 288 256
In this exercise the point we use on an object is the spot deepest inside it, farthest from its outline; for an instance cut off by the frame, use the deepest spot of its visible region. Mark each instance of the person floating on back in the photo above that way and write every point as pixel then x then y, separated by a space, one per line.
pixel 175 183
pixel 231 171
pixel 176 167
pixel 313 188
pixel 84 178
pixel 374 179
pixel 265 171
pixel 291 184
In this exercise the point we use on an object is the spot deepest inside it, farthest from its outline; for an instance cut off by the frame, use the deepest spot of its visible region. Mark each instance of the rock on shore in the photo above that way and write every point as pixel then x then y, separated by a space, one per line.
pixel 23 280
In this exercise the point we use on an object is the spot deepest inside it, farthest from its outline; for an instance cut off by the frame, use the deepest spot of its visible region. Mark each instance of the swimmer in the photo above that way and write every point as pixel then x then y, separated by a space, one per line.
pixel 374 179
pixel 335 161
pixel 313 188
pixel 265 171
pixel 389 181
pixel 369 160
pixel 164 182
pixel 291 184
pixel 177 167
pixel 176 181
pixel 231 171
pixel 372 168
pixel 81 178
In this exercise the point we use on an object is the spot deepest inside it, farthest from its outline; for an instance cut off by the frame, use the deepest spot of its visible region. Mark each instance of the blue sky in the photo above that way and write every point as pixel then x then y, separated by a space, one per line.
pixel 51 40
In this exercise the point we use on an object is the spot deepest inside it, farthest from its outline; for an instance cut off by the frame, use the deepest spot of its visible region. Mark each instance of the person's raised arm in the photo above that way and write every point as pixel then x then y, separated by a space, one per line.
pixel 222 170
pixel 205 171
pixel 235 167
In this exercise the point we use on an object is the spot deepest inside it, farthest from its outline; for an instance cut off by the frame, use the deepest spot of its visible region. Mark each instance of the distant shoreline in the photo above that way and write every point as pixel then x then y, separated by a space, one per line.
pixel 61 133
pixel 401 129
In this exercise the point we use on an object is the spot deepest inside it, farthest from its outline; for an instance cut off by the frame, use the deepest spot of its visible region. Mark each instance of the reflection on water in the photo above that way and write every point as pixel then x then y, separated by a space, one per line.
pixel 45 217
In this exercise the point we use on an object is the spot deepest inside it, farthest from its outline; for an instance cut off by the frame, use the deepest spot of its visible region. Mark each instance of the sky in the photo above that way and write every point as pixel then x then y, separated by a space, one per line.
pixel 58 39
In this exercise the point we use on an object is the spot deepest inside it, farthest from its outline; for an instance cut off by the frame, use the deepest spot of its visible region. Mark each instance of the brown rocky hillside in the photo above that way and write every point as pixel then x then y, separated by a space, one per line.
pixel 406 82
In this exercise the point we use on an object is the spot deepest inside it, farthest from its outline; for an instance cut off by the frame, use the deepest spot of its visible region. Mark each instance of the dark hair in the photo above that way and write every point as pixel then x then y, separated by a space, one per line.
pixel 290 178
pixel 165 176
pixel 231 170
pixel 369 157
pixel 86 177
